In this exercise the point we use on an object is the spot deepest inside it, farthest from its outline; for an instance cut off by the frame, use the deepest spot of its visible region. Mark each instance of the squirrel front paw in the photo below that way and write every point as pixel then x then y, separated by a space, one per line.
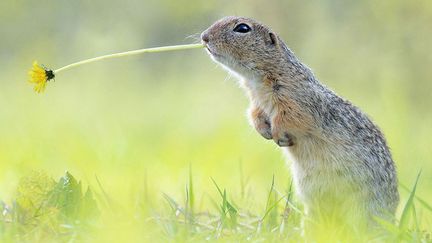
pixel 263 127
pixel 284 139
pixel 280 134
pixel 261 123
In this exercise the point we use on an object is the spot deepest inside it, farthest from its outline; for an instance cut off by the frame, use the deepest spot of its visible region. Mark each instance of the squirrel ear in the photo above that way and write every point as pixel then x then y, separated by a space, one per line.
pixel 273 38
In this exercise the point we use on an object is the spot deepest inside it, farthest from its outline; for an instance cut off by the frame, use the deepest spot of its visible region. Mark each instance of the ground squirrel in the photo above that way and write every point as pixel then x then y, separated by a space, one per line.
pixel 340 161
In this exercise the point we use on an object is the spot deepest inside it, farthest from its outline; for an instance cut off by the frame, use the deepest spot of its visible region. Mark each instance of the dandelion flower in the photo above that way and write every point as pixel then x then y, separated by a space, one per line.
pixel 39 76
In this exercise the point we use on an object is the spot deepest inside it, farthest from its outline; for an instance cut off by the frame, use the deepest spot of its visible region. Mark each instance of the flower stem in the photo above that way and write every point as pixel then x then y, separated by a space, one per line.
pixel 129 53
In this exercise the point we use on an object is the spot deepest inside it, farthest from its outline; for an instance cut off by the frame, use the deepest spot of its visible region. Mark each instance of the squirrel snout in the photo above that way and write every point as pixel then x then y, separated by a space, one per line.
pixel 205 37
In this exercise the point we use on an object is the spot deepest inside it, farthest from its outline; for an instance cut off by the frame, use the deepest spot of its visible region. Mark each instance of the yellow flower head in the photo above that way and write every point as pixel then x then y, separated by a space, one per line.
pixel 39 76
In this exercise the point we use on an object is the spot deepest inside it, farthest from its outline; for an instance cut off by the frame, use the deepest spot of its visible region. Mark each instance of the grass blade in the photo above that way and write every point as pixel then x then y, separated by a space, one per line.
pixel 219 190
pixel 270 192
pixel 191 192
pixel 421 201
pixel 173 204
pixel 403 224
pixel 271 207
pixel 226 206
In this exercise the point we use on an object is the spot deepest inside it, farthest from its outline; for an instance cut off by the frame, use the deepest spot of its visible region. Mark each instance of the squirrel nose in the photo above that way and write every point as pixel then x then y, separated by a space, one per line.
pixel 205 37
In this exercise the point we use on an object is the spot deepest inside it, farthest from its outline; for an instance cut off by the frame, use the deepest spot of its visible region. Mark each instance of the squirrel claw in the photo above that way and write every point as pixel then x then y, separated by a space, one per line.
pixel 267 135
pixel 287 141
pixel 264 129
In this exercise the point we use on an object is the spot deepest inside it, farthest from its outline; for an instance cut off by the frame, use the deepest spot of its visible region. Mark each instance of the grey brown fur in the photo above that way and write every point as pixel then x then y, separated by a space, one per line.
pixel 341 164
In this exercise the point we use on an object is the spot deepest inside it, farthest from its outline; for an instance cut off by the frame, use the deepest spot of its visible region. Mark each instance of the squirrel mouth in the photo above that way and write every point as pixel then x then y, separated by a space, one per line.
pixel 213 53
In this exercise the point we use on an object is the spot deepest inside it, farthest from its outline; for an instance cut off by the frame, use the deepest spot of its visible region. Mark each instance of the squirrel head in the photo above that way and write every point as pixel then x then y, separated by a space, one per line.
pixel 244 46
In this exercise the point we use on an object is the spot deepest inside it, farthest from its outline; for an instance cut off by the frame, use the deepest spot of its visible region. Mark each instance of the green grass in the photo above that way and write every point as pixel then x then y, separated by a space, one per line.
pixel 46 210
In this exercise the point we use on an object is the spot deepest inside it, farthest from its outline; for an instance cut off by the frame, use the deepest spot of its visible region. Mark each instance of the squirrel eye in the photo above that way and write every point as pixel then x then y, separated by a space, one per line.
pixel 242 28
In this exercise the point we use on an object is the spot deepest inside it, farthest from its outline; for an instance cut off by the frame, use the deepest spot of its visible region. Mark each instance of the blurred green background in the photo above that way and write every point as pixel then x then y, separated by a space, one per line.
pixel 139 122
